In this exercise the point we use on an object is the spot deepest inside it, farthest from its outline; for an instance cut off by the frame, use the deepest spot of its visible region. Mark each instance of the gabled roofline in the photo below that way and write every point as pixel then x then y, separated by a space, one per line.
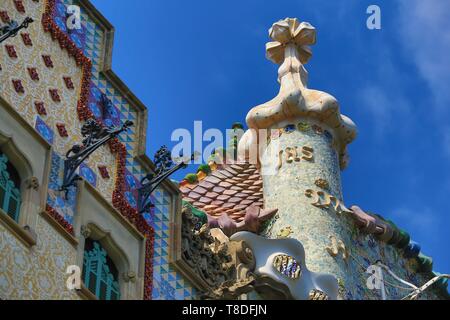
pixel 119 85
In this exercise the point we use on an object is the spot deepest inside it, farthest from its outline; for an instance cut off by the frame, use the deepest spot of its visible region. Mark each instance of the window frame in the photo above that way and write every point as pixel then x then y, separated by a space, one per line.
pixel 32 173
pixel 95 263
pixel 9 191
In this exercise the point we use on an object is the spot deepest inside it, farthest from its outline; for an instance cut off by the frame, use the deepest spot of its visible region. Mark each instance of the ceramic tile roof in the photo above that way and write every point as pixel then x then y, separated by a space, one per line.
pixel 229 189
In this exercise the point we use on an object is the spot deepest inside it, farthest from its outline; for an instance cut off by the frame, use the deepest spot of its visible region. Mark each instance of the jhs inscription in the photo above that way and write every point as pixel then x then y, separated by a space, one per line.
pixel 295 154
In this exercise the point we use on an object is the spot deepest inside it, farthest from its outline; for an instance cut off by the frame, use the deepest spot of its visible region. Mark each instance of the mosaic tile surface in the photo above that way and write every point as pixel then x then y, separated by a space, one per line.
pixel 56 198
pixel 40 275
pixel 312 225
pixel 168 284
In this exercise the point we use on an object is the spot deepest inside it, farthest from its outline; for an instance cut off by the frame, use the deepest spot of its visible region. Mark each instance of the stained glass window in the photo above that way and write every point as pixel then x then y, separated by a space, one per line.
pixel 9 188
pixel 99 272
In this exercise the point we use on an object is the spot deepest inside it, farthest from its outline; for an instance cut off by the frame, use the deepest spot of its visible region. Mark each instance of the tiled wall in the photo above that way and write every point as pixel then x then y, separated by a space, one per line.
pixel 23 95
pixel 313 225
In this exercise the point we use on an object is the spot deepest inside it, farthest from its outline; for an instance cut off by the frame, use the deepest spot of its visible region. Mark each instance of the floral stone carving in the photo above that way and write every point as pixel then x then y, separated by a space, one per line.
pixel 217 267
pixel 199 256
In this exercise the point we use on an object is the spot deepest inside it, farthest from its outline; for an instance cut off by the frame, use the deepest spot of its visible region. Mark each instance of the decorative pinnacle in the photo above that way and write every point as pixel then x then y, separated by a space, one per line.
pixel 290 31
pixel 295 101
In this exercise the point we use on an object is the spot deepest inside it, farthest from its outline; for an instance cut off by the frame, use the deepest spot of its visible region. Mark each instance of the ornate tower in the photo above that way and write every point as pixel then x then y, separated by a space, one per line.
pixel 301 156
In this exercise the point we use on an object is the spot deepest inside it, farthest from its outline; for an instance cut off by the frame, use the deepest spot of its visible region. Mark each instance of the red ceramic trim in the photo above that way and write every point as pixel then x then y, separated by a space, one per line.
pixel 18 87
pixel 5 17
pixel 11 51
pixel 40 108
pixel 19 6
pixel 116 146
pixel 59 218
pixel 62 130
pixel 26 39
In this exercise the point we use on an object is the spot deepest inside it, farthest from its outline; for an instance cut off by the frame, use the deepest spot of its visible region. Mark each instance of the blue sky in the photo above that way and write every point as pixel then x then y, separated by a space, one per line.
pixel 205 60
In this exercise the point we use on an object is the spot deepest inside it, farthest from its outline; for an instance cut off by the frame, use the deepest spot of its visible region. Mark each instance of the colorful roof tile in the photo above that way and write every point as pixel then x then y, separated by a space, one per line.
pixel 228 189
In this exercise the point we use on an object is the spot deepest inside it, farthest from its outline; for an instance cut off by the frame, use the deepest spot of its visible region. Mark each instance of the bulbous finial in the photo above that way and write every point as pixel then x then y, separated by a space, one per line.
pixel 295 101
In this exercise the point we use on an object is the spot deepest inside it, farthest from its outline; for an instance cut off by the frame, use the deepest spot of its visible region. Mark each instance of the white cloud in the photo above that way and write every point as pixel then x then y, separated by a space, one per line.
pixel 384 98
pixel 425 35
pixel 379 105
pixel 417 220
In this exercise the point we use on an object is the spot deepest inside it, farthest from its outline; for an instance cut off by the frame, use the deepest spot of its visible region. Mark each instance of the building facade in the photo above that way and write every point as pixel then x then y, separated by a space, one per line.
pixel 53 79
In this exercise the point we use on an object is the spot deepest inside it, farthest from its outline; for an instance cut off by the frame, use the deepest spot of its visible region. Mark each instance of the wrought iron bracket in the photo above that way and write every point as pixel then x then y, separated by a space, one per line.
pixel 12 28
pixel 94 137
pixel 165 167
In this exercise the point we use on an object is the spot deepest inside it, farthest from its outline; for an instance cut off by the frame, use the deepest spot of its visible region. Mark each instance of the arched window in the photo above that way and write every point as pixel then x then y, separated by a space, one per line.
pixel 100 275
pixel 9 188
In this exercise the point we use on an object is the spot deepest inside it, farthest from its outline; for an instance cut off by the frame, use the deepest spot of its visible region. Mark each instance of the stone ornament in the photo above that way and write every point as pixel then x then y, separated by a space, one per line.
pixel 254 217
pixel 295 154
pixel 267 251
pixel 241 260
pixel 290 49
pixel 384 231
pixel 204 259
pixel 324 200
pixel 290 31
pixel 322 183
pixel 317 295
pixel 86 231
pixel 32 183
pixel 337 246
pixel 285 232
pixel 129 276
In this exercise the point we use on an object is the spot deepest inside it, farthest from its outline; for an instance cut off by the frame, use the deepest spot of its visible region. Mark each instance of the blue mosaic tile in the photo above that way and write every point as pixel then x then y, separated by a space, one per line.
pixel 131 198
pixel 96 111
pixel 168 283
pixel 56 198
pixel 44 130
pixel 88 174
pixel 54 179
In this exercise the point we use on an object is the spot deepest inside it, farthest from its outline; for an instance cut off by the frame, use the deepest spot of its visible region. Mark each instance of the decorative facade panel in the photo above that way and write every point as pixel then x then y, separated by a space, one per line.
pixel 67 85
pixel 39 274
